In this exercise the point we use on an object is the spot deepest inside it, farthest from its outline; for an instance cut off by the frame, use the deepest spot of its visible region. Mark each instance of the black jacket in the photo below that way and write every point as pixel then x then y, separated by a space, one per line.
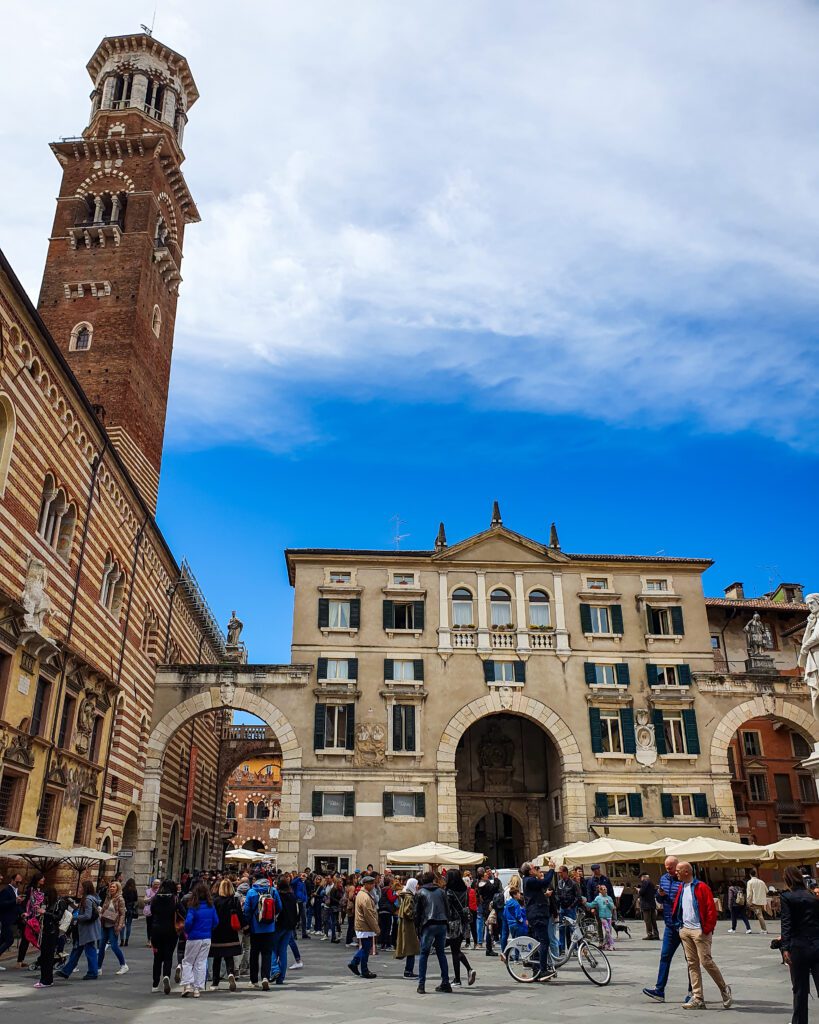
pixel 9 907
pixel 800 920
pixel 287 918
pixel 163 914
pixel 648 895
pixel 486 890
pixel 539 906
pixel 430 906
pixel 567 893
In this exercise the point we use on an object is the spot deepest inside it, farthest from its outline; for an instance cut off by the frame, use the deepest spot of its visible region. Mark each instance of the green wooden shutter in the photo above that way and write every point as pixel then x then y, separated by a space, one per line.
pixel 616 612
pixel 666 805
pixel 677 625
pixel 635 805
pixel 589 673
pixel 650 624
pixel 623 675
pixel 397 730
pixel 684 675
pixel 418 670
pixel 350 741
pixel 349 805
pixel 355 613
pixel 601 805
pixel 420 805
pixel 596 731
pixel 585 618
pixel 489 671
pixel 324 612
pixel 389 614
pixel 520 671
pixel 321 671
pixel 388 670
pixel 409 726
pixel 659 731
pixel 692 736
pixel 651 675
pixel 389 806
pixel 418 614
pixel 352 668
pixel 700 805
pixel 627 730
pixel 318 800
pixel 319 723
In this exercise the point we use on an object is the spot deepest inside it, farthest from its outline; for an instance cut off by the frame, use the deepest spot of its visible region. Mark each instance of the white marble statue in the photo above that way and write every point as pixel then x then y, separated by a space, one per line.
pixel 35 600
pixel 809 653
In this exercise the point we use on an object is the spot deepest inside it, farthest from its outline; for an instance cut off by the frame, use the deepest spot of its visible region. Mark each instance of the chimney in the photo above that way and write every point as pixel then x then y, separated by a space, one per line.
pixel 735 592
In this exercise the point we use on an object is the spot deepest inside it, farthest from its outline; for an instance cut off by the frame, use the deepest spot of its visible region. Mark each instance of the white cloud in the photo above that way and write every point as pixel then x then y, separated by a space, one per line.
pixel 586 207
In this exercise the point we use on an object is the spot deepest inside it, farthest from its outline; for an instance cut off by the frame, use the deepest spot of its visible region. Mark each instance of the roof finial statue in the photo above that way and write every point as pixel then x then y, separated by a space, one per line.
pixel 440 540
pixel 553 539
pixel 496 516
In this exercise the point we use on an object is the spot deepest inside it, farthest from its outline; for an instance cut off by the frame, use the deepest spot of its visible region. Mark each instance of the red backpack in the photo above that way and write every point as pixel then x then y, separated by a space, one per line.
pixel 266 909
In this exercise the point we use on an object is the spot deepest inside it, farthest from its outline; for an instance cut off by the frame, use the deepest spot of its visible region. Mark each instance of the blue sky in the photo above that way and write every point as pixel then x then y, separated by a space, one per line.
pixel 559 254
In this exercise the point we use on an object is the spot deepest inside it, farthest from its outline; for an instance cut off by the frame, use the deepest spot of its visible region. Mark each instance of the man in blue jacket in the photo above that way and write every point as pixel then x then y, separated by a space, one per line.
pixel 300 892
pixel 261 932
pixel 667 889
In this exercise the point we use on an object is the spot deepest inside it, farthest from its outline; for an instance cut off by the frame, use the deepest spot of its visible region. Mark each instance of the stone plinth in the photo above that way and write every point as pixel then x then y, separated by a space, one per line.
pixel 761 665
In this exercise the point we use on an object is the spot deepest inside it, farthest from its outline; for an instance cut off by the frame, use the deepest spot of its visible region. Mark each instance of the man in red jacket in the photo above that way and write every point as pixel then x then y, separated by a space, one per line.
pixel 696 915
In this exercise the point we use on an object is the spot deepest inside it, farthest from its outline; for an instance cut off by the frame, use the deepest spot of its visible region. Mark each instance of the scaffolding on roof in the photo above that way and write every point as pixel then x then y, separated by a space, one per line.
pixel 211 627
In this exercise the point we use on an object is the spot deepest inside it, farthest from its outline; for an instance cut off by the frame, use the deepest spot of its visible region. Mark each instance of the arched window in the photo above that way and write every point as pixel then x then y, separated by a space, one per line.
pixel 262 811
pixel 8 427
pixel 156 320
pixel 81 335
pixel 231 811
pixel 500 608
pixel 250 810
pixel 462 607
pixel 54 511
pixel 540 611
pixel 195 857
pixel 112 589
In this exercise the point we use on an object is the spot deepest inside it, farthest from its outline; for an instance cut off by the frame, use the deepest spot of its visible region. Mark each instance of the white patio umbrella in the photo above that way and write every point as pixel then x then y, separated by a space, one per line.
pixel 603 850
pixel 435 853
pixel 248 856
pixel 46 857
pixel 8 835
pixel 708 849
pixel 794 850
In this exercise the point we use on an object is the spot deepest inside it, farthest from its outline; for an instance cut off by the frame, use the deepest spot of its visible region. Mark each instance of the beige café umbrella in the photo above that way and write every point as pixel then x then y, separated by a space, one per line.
pixel 9 835
pixel 248 856
pixel 794 850
pixel 435 853
pixel 606 850
pixel 706 849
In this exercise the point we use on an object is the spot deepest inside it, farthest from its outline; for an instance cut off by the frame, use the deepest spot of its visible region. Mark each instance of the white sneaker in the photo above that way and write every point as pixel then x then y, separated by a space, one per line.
pixel 155 988
pixel 3 968
pixel 265 984
pixel 177 974
pixel 232 982
pixel 166 985
pixel 124 969
pixel 731 931
pixel 255 984
pixel 297 966
pixel 727 998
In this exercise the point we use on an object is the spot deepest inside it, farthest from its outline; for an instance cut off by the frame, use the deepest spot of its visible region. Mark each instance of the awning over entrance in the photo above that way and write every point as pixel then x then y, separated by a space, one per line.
pixel 653 833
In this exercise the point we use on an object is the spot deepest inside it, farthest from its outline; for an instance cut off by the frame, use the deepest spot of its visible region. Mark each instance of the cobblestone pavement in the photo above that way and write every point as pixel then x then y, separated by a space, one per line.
pixel 326 992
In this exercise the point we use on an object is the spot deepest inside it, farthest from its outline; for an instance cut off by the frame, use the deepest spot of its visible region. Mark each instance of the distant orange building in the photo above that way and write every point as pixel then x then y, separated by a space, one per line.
pixel 253 795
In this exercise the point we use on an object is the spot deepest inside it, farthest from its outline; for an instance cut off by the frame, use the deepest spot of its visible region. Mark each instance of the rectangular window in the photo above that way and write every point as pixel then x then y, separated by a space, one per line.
pixel 403 727
pixel 336 576
pixel 683 804
pixel 504 671
pixel 807 789
pixel 81 828
pixel 659 621
pixel 667 675
pixel 403 579
pixel 612 738
pixel 674 733
pixel 657 584
pixel 333 804
pixel 600 620
pixel 618 805
pixel 403 804
pixel 403 671
pixel 47 818
pixel 752 744
pixel 605 675
pixel 39 713
pixel 597 583
pixel 335 727
pixel 715 644
pixel 12 788
pixel 339 614
pixel 801 747
pixel 792 828
pixel 404 615
pixel 66 719
pixel 337 668
pixel 757 786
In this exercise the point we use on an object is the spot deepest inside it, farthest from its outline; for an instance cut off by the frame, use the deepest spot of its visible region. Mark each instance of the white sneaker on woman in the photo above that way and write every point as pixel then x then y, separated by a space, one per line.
pixel 124 969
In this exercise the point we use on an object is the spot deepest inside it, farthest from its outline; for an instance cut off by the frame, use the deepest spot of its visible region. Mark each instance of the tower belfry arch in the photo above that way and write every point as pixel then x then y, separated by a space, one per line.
pixel 273 693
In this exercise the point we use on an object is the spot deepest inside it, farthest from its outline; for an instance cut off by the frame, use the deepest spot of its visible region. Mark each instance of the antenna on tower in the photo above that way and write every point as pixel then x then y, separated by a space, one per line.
pixel 149 31
pixel 398 536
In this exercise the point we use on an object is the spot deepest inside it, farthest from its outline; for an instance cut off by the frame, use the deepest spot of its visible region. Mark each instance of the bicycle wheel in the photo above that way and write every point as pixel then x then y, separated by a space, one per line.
pixel 522 959
pixel 594 963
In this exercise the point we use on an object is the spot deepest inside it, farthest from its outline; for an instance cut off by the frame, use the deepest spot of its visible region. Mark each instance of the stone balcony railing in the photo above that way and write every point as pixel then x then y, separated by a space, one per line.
pixel 742 682
pixel 464 639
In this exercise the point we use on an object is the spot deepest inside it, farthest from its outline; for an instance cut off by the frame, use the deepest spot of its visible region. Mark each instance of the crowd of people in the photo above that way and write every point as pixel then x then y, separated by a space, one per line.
pixel 211 931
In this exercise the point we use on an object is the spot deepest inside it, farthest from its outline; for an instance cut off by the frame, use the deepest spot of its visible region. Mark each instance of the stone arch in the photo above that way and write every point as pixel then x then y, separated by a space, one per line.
pixel 513 702
pixel 757 707
pixel 241 699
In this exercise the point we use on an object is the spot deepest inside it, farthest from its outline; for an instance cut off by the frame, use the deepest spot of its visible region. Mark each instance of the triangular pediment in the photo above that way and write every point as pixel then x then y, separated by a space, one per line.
pixel 498 544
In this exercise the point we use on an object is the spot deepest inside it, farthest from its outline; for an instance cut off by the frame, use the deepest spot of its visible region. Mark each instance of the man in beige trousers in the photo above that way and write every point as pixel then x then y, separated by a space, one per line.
pixel 696 913
pixel 756 896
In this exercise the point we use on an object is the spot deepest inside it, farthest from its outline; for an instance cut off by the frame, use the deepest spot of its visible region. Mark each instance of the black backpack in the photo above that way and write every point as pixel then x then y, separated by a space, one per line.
pixel 498 902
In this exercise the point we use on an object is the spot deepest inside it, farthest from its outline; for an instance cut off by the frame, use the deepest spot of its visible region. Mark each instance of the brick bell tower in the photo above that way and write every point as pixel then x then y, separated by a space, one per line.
pixel 112 274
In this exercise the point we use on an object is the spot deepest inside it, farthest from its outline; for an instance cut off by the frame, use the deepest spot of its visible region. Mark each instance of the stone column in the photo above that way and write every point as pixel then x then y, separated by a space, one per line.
pixel 447 808
pixel 139 90
pixel 444 635
pixel 108 92
pixel 483 628
pixel 148 811
pixel 288 856
pixel 562 645
pixel 520 614
pixel 169 106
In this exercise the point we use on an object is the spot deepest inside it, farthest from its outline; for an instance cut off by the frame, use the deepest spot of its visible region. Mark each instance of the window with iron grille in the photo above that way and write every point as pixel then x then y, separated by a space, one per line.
pixel 11 788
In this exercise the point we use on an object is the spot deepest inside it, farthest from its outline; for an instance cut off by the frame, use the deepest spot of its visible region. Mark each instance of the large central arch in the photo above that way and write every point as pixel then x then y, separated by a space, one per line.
pixel 210 700
pixel 515 702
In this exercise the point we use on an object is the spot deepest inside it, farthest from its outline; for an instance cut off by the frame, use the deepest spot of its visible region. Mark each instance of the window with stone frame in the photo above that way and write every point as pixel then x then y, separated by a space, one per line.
pixel 751 743
pixel 12 793
pixel 758 787
pixel 611 734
